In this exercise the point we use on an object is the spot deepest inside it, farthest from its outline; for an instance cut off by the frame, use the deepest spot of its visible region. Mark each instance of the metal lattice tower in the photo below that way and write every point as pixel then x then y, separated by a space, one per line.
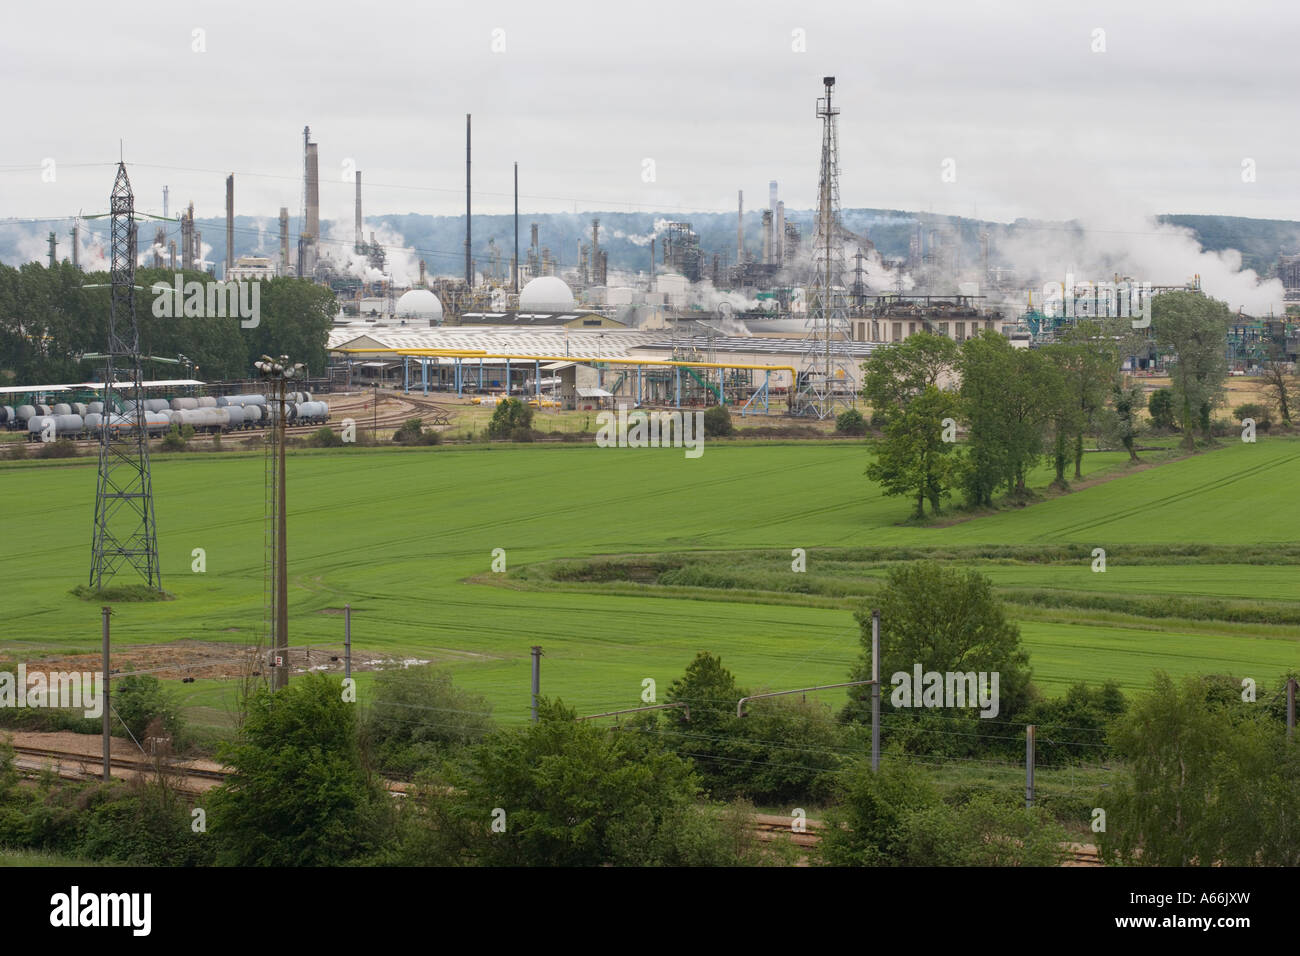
pixel 125 532
pixel 828 379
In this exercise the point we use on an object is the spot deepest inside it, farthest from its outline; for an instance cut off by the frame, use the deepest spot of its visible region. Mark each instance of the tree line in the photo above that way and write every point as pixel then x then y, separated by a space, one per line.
pixel 49 319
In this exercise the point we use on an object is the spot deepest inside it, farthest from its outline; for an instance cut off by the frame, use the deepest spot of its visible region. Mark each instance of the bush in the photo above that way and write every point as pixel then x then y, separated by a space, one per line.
pixel 18 450
pixel 417 717
pixel 1261 413
pixel 326 437
pixel 140 701
pixel 174 440
pixel 63 448
pixel 510 418
pixel 1161 407
pixel 851 422
pixel 717 422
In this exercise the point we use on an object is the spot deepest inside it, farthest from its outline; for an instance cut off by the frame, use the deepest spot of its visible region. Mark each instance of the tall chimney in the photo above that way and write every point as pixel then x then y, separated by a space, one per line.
pixel 780 233
pixel 652 263
pixel 284 240
pixel 514 263
pixel 76 241
pixel 230 226
pixel 767 237
pixel 360 239
pixel 311 233
pixel 171 254
pixel 740 228
pixel 422 268
pixel 165 202
pixel 596 278
pixel 469 265
pixel 771 195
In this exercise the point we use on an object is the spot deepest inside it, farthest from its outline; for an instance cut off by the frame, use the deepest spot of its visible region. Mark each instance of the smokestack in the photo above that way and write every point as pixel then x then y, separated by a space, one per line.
pixel 652 263
pixel 740 228
pixel 164 202
pixel 230 225
pixel 187 238
pixel 780 233
pixel 514 263
pixel 311 234
pixel 171 254
pixel 76 242
pixel 54 256
pixel 284 240
pixel 360 239
pixel 198 250
pixel 422 267
pixel 595 253
pixel 469 265
pixel 771 195
pixel 767 237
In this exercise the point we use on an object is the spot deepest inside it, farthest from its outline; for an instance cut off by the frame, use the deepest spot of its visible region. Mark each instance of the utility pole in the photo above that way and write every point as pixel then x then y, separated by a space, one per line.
pixel 875 690
pixel 280 372
pixel 108 749
pixel 347 640
pixel 1029 765
pixel 537 678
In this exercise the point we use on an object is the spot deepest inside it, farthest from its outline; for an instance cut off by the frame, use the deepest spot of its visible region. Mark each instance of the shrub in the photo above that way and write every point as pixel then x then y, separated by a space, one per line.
pixel 510 417
pixel 409 432
pixel 63 448
pixel 851 422
pixel 1261 414
pixel 717 422
pixel 140 701
pixel 326 437
pixel 418 716
pixel 174 440
pixel 18 450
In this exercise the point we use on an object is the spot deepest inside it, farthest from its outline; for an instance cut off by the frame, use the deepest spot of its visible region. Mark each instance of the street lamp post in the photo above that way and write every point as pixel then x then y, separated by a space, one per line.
pixel 279 373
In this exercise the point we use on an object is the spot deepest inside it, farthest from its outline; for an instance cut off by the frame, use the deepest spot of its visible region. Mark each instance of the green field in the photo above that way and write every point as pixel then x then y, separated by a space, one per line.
pixel 398 534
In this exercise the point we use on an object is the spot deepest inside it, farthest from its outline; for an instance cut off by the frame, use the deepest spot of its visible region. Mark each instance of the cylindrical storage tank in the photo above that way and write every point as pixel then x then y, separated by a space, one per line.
pixel 207 401
pixel 44 410
pixel 93 421
pixel 313 412
pixel 62 408
pixel 157 421
pixel 25 412
pixel 79 408
pixel 245 399
pixel 96 407
pixel 37 424
pixel 234 415
pixel 6 414
pixel 180 403
pixel 68 424
pixel 253 415
pixel 157 405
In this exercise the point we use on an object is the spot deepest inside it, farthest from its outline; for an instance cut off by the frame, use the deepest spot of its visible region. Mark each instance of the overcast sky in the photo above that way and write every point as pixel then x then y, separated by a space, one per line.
pixel 716 94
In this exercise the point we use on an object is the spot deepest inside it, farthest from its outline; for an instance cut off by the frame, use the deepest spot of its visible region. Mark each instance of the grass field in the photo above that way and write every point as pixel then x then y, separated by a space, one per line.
pixel 399 534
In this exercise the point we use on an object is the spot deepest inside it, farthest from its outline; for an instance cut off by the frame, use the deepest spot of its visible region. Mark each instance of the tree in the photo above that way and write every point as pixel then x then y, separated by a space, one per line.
pixel 850 422
pixel 1088 362
pixel 948 621
pixel 296 319
pixel 1278 380
pixel 416 717
pixel 1211 781
pixel 898 373
pixel 509 418
pixel 1008 397
pixel 1122 424
pixel 299 794
pixel 913 458
pixel 1194 328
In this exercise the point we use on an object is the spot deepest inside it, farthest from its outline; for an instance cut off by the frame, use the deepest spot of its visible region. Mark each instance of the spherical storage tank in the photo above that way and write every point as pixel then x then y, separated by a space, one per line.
pixel 419 305
pixel 545 294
